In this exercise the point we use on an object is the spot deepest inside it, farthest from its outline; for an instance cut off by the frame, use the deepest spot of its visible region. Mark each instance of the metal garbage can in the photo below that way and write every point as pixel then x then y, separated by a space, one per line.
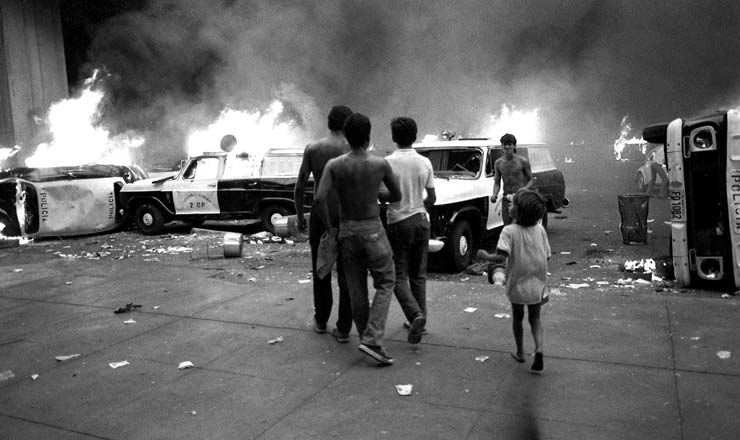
pixel 633 211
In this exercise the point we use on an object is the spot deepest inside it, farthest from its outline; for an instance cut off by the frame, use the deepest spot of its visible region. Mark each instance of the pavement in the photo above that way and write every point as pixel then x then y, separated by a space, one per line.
pixel 620 363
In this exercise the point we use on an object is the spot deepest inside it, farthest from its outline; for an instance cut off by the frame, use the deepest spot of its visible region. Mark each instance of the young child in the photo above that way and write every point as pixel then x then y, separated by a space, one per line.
pixel 525 244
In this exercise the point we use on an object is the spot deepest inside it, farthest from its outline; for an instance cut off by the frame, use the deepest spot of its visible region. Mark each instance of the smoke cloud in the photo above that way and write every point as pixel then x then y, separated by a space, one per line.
pixel 175 64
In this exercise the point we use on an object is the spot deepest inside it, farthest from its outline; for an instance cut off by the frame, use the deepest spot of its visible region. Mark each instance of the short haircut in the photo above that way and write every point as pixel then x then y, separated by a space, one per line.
pixel 530 207
pixel 337 116
pixel 357 129
pixel 228 142
pixel 403 131
pixel 508 138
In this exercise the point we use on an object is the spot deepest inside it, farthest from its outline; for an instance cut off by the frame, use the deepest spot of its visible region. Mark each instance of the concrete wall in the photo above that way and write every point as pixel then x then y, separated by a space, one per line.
pixel 32 67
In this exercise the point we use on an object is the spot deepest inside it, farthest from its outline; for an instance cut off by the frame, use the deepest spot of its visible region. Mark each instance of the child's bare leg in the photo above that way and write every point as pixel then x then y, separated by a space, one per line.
pixel 536 325
pixel 516 326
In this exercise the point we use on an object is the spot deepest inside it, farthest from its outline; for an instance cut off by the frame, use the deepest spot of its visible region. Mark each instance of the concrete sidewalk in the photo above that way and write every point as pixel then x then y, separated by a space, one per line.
pixel 619 364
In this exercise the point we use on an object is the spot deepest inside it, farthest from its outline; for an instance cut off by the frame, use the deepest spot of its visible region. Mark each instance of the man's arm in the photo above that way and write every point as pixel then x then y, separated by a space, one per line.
pixel 496 181
pixel 389 179
pixel 527 171
pixel 430 198
pixel 322 194
pixel 300 189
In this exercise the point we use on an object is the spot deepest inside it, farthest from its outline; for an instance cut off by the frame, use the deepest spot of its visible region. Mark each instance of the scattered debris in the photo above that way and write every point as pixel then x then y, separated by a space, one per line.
pixel 67 357
pixel 129 321
pixel 34 376
pixel 726 295
pixel 470 309
pixel 570 263
pixel 602 283
pixel 276 340
pixel 594 266
pixel 155 307
pixel 502 315
pixel 695 338
pixel 564 253
pixel 481 358
pixel 576 285
pixel 723 354
pixel 464 279
pixel 304 281
pixel 594 244
pixel 129 307
pixel 115 365
pixel 5 375
pixel 404 390
pixel 185 365
pixel 607 232
pixel 17 270
pixel 556 291
pixel 645 265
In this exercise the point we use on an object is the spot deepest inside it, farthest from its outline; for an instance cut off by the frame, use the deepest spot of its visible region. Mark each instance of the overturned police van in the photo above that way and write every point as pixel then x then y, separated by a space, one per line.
pixel 703 161
pixel 63 201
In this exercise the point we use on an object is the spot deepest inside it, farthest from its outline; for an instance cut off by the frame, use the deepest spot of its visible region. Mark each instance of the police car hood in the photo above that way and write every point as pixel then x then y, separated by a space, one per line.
pixel 455 189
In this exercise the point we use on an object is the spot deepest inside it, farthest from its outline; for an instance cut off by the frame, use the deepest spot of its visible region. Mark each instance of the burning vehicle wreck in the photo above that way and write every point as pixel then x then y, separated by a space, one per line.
pixel 63 201
pixel 217 186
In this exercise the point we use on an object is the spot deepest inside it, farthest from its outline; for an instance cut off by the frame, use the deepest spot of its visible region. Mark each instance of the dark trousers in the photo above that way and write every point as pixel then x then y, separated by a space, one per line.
pixel 410 242
pixel 322 291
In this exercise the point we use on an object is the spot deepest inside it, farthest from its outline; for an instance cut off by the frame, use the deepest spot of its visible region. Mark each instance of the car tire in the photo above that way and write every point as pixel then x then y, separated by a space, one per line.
pixel 149 219
pixel 641 185
pixel 460 246
pixel 10 229
pixel 271 213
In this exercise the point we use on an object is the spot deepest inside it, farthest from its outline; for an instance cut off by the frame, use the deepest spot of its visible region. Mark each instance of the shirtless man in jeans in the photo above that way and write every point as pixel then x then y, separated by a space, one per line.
pixel 363 244
pixel 515 172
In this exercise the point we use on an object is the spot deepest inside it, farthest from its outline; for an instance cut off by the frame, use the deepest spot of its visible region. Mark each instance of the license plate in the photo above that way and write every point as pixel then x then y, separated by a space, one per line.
pixel 735 198
pixel 678 206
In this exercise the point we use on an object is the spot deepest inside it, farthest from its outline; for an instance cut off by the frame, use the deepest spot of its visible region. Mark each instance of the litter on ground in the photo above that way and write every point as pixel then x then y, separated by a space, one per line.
pixel 502 315
pixel 67 357
pixel 185 365
pixel 481 358
pixel 404 390
pixel 576 285
pixel 5 375
pixel 276 340
pixel 723 354
pixel 470 309
pixel 115 365
pixel 129 321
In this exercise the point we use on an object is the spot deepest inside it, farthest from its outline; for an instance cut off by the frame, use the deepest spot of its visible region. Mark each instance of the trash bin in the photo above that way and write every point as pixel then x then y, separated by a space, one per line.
pixel 633 210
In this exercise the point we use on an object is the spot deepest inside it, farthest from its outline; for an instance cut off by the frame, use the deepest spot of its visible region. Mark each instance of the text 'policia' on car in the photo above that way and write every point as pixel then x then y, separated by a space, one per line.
pixel 63 201
pixel 463 178
pixel 218 186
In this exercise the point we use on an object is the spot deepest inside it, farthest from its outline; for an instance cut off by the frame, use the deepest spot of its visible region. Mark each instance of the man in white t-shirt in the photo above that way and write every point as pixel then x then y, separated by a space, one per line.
pixel 408 225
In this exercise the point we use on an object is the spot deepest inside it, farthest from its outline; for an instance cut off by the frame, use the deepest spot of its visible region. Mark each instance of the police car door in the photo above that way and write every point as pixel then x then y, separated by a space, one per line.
pixel 494 219
pixel 197 191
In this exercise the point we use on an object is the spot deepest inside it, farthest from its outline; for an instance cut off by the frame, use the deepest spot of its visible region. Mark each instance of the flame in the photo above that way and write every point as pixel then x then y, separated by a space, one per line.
pixel 76 136
pixel 623 140
pixel 255 132
pixel 524 124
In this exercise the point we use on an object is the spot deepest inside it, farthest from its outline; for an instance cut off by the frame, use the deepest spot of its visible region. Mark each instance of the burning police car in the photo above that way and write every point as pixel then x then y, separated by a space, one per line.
pixel 463 213
pixel 217 186
pixel 63 201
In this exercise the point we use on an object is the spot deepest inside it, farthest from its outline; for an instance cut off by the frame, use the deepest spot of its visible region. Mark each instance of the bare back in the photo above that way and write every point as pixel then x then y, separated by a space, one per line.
pixel 318 153
pixel 356 177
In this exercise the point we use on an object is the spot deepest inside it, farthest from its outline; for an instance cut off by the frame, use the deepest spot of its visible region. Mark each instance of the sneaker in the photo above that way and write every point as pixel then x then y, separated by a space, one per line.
pixel 415 329
pixel 376 353
pixel 340 336
pixel 538 365
pixel 318 328
pixel 407 326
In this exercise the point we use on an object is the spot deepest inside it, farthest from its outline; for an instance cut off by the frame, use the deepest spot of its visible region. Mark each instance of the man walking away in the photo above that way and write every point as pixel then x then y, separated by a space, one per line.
pixel 408 225
pixel 363 243
pixel 315 157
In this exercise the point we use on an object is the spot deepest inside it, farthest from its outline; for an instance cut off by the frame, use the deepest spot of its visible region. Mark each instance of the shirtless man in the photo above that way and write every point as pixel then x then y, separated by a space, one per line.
pixel 515 171
pixel 363 244
pixel 315 157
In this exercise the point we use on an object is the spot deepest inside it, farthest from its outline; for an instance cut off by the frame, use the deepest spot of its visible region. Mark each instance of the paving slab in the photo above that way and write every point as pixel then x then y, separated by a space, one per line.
pixel 709 405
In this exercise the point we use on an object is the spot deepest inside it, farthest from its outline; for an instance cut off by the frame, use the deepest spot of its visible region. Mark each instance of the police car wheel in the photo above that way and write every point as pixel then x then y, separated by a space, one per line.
pixel 270 214
pixel 460 246
pixel 149 219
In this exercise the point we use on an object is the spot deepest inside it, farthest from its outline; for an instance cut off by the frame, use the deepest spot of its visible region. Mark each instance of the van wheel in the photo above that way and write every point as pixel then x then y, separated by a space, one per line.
pixel 460 246
pixel 149 219
pixel 270 214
